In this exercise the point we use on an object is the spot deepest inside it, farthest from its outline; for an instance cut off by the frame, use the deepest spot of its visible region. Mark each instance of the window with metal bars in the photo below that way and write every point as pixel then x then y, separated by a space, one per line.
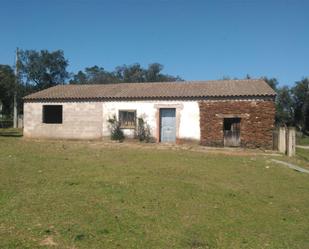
pixel 127 119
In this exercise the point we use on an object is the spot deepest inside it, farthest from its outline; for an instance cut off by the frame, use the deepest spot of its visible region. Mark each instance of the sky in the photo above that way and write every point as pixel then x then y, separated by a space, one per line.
pixel 195 39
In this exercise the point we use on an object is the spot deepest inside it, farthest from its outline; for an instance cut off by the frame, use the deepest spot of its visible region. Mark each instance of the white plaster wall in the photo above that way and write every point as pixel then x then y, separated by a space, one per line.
pixel 189 126
pixel 81 120
pixel 89 120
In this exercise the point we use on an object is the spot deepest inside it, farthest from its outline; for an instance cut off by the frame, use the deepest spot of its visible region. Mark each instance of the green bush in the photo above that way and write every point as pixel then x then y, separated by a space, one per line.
pixel 116 132
pixel 143 131
pixel 6 122
pixel 302 139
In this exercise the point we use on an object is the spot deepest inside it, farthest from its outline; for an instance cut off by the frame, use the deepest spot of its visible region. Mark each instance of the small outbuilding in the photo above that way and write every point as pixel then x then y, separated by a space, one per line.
pixel 213 113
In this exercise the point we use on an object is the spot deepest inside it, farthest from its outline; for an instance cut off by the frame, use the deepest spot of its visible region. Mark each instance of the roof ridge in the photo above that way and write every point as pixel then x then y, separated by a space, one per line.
pixel 167 82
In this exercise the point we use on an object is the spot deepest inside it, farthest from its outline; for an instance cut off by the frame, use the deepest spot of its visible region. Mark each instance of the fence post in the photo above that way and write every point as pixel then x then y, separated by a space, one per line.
pixel 20 121
pixel 291 142
pixel 282 139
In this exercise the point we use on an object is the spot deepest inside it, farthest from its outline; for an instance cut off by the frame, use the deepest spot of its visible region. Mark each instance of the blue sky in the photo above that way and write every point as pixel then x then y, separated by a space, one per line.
pixel 194 39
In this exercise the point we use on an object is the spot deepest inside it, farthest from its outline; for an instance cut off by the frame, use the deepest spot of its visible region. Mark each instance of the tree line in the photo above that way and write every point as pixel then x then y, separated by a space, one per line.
pixel 38 70
pixel 292 104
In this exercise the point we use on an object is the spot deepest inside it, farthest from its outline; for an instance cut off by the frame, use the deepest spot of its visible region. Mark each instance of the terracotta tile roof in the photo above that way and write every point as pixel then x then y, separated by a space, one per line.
pixel 159 90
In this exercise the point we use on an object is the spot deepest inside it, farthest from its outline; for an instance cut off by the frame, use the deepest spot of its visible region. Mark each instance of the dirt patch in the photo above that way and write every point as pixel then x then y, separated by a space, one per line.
pixel 184 147
pixel 98 144
pixel 48 241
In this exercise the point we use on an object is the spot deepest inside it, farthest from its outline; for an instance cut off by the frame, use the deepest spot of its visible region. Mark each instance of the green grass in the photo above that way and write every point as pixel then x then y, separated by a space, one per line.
pixel 301 159
pixel 303 154
pixel 10 132
pixel 304 140
pixel 84 195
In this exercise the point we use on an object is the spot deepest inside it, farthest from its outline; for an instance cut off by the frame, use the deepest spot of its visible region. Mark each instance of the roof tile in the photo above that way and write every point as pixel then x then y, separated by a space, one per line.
pixel 158 90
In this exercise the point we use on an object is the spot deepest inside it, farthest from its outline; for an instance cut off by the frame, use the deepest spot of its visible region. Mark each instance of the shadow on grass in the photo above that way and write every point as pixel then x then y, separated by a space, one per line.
pixel 11 133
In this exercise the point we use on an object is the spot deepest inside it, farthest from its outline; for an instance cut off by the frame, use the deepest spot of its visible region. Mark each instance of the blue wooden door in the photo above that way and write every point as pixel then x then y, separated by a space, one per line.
pixel 168 125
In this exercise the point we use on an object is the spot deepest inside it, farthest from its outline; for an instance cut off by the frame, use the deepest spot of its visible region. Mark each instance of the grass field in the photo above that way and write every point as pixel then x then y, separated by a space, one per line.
pixel 56 194
pixel 303 154
pixel 303 140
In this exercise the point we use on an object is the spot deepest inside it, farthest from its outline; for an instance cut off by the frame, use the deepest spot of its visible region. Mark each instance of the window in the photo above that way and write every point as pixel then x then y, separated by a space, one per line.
pixel 52 114
pixel 127 119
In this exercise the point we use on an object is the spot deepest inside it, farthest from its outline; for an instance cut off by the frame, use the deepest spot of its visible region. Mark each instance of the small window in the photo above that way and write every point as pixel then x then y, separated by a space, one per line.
pixel 52 114
pixel 127 119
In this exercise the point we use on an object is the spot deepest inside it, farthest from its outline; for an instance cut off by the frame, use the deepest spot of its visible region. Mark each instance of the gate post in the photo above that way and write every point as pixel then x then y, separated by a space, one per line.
pixel 291 142
pixel 282 139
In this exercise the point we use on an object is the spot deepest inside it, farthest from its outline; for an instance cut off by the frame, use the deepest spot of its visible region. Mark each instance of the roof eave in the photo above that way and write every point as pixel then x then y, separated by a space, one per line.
pixel 202 97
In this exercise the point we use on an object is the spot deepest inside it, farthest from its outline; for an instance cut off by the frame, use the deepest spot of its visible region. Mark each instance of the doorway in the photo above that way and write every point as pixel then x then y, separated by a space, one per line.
pixel 167 125
pixel 231 130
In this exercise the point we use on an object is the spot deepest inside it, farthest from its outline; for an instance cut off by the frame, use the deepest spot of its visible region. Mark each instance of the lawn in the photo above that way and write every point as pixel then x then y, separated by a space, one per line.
pixel 56 194
pixel 304 140
pixel 303 154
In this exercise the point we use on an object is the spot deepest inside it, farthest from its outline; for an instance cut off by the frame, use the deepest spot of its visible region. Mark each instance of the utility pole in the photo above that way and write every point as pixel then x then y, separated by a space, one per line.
pixel 15 92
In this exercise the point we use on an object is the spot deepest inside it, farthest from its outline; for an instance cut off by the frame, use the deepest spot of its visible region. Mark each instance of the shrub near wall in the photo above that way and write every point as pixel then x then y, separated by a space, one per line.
pixel 116 132
pixel 256 127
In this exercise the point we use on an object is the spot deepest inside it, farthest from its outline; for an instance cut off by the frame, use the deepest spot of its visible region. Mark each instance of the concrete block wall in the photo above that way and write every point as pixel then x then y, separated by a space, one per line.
pixel 81 120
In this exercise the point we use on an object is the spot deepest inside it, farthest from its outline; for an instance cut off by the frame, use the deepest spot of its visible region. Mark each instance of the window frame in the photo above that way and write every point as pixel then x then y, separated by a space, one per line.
pixel 127 126
pixel 46 120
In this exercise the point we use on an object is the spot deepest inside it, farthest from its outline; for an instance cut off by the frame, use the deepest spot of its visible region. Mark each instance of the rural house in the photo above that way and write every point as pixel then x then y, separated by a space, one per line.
pixel 214 113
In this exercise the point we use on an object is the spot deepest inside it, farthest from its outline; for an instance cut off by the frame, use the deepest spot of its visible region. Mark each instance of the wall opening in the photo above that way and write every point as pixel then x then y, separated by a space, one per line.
pixel 52 114
pixel 231 131
pixel 167 125
pixel 127 119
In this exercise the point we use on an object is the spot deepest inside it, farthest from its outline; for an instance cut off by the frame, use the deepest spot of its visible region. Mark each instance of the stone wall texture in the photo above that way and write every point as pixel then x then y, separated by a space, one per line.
pixel 256 125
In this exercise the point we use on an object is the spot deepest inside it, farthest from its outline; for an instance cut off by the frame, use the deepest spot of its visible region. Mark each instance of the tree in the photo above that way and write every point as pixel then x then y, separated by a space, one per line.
pixel 284 102
pixel 122 74
pixel 131 73
pixel 284 107
pixel 79 78
pixel 272 82
pixel 94 75
pixel 43 69
pixel 91 75
pixel 301 103
pixel 248 77
pixel 153 74
pixel 98 75
pixel 7 88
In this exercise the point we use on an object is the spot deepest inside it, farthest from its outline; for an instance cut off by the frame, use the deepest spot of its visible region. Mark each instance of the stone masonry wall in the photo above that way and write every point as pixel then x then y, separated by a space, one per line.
pixel 256 125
